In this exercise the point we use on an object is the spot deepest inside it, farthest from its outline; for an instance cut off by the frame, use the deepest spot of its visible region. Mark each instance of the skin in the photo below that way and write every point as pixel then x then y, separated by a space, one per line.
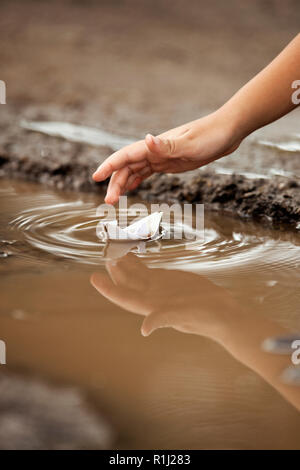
pixel 200 308
pixel 264 99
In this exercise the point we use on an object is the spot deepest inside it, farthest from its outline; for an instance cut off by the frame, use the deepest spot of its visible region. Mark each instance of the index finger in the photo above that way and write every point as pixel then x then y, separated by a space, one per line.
pixel 130 154
pixel 121 296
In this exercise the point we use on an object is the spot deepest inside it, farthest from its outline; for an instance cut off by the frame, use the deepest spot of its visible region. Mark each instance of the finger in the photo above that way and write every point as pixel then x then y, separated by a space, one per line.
pixel 155 320
pixel 134 272
pixel 117 185
pixel 129 176
pixel 117 274
pixel 132 265
pixel 136 179
pixel 128 155
pixel 164 146
pixel 135 182
pixel 136 167
pixel 104 285
pixel 120 276
pixel 124 298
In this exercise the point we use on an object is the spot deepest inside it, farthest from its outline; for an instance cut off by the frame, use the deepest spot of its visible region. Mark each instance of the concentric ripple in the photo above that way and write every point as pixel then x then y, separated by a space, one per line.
pixel 68 230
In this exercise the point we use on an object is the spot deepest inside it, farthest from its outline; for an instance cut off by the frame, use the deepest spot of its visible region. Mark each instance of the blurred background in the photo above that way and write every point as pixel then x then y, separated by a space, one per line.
pixel 137 65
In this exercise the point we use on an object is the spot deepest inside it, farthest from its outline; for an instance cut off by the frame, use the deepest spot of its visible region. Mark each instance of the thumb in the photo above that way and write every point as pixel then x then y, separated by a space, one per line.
pixel 155 320
pixel 162 146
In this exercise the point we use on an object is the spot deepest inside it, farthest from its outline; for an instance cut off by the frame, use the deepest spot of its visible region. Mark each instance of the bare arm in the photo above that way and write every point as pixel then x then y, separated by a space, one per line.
pixel 267 97
pixel 203 309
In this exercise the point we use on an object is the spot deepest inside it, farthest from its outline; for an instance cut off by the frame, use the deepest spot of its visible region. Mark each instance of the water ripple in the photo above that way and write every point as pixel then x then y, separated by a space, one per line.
pixel 68 230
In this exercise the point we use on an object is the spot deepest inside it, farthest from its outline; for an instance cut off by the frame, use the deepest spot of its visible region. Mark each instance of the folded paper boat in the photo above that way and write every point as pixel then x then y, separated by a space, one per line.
pixel 147 228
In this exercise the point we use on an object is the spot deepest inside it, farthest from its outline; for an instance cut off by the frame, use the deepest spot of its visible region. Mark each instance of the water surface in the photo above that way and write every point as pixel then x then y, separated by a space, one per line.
pixel 72 313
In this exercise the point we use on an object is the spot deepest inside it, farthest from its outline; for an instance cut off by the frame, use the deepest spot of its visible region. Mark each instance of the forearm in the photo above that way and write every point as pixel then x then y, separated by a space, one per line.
pixel 268 96
pixel 243 336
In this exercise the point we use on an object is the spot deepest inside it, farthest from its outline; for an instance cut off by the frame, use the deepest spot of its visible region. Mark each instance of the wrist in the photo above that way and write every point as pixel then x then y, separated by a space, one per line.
pixel 228 322
pixel 234 121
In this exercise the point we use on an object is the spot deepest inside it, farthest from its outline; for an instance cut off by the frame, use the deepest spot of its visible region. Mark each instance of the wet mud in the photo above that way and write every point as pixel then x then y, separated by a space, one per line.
pixel 63 164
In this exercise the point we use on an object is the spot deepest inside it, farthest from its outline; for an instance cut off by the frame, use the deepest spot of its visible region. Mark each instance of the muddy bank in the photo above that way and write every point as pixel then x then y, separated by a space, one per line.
pixel 46 159
pixel 276 202
pixel 62 164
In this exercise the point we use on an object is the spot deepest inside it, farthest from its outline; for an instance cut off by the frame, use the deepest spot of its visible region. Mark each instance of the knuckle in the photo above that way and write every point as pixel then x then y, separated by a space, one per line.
pixel 109 167
pixel 171 145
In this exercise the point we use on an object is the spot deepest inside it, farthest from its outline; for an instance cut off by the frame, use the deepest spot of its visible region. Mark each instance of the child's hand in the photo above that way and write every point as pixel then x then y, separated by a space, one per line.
pixel 267 97
pixel 177 150
pixel 203 309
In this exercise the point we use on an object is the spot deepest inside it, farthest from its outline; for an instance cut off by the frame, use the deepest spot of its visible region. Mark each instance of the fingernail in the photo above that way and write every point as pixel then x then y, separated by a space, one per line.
pixel 155 140
pixel 96 173
pixel 149 137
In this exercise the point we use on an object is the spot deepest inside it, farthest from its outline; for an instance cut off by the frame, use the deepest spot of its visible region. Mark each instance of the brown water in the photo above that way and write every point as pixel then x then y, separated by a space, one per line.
pixel 71 315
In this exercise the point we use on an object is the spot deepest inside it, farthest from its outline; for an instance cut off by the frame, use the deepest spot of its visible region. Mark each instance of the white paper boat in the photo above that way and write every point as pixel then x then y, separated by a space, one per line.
pixel 147 228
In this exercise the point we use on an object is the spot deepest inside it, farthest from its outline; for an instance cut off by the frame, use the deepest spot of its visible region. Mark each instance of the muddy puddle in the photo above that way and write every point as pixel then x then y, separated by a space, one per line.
pixel 72 314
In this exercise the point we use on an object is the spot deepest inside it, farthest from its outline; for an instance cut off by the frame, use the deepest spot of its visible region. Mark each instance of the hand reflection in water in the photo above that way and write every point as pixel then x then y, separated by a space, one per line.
pixel 190 303
pixel 168 298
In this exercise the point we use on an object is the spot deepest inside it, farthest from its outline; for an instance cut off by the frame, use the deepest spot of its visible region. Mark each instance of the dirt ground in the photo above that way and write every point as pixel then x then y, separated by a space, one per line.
pixel 140 65
pixel 133 67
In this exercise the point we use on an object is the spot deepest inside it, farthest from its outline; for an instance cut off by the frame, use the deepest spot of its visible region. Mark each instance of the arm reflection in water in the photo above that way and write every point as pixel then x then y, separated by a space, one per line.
pixel 191 303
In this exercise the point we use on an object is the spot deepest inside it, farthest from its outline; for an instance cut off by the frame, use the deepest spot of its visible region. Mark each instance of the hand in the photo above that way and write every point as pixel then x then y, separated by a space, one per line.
pixel 214 136
pixel 191 303
pixel 185 301
pixel 181 149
